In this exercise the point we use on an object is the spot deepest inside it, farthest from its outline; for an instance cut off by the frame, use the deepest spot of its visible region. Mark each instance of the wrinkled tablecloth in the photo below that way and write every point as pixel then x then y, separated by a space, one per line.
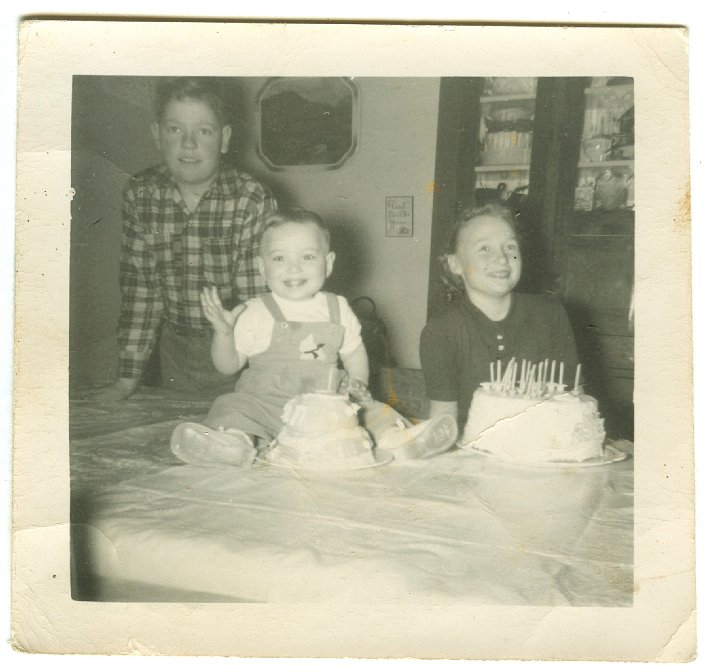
pixel 455 528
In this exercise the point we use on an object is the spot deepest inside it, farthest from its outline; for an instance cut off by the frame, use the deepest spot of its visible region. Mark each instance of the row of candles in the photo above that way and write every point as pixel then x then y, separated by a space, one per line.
pixel 528 379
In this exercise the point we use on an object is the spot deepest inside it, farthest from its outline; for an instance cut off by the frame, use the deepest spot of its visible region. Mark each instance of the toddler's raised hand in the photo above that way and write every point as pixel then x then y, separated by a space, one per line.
pixel 356 389
pixel 222 320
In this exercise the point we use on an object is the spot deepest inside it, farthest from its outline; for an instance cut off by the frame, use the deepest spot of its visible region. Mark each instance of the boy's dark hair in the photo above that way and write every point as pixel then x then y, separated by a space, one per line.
pixel 276 218
pixel 209 90
pixel 453 283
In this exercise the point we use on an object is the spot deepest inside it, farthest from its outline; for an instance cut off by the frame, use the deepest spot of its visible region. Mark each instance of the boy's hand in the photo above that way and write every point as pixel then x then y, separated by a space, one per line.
pixel 222 320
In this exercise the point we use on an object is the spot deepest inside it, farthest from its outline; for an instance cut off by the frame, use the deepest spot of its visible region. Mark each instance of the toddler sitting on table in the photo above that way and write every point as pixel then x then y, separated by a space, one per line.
pixel 291 339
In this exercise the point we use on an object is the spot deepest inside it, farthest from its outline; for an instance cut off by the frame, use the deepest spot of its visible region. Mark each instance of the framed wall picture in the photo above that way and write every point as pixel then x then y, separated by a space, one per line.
pixel 399 216
pixel 307 121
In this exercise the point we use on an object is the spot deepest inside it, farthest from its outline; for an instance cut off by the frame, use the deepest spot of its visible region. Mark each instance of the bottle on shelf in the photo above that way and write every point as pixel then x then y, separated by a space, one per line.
pixel 610 191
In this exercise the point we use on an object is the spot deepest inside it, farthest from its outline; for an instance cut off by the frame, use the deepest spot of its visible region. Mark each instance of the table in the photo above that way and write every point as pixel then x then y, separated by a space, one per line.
pixel 455 528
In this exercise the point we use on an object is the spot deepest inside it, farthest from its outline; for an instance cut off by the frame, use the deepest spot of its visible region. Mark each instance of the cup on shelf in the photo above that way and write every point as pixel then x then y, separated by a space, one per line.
pixel 515 113
pixel 510 85
pixel 597 148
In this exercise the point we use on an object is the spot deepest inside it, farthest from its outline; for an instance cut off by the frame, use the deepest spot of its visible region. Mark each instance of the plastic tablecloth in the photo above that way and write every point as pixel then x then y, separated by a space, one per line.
pixel 454 528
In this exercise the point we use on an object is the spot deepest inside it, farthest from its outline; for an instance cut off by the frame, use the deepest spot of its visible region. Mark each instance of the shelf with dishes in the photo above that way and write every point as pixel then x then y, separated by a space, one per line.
pixel 507 97
pixel 508 88
pixel 606 161
pixel 505 132
pixel 605 186
pixel 501 182
pixel 505 179
pixel 601 165
pixel 609 108
pixel 503 168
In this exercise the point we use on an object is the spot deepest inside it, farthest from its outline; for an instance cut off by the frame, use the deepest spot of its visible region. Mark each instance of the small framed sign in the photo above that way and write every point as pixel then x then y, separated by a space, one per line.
pixel 399 216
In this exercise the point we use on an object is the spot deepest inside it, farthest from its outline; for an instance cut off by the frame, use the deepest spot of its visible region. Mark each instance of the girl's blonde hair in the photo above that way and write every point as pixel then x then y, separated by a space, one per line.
pixel 454 285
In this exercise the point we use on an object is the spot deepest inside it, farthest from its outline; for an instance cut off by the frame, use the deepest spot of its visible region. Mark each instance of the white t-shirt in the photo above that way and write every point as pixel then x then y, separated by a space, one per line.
pixel 253 329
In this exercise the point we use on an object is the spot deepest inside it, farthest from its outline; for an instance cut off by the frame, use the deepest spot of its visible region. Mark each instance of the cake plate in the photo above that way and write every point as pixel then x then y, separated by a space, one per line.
pixel 610 455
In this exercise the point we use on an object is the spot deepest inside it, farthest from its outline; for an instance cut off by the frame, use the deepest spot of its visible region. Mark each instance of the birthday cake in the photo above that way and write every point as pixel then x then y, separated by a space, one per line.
pixel 321 432
pixel 534 420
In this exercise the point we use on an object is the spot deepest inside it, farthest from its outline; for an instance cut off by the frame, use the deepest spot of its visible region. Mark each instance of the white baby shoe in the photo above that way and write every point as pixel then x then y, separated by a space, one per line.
pixel 200 445
pixel 427 438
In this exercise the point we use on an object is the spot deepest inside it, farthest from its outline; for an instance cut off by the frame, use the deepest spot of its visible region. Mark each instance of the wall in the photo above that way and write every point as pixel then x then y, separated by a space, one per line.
pixel 395 157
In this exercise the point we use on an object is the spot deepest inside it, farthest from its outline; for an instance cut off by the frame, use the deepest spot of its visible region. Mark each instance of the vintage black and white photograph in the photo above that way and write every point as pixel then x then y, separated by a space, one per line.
pixel 355 339
pixel 470 438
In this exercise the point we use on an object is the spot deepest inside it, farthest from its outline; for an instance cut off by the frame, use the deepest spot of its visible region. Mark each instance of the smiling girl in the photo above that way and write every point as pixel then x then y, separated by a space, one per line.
pixel 487 322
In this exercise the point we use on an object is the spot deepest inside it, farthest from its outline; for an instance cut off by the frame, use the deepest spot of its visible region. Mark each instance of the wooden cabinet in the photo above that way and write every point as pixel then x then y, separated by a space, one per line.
pixel 581 211
pixel 593 240
pixel 575 200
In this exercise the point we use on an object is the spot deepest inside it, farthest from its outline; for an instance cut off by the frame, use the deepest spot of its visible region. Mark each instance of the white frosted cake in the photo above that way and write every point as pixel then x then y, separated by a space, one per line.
pixel 321 432
pixel 552 427
pixel 526 416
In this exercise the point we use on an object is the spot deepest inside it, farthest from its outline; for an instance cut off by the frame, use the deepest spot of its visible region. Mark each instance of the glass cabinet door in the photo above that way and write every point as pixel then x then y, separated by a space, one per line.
pixel 596 246
pixel 605 188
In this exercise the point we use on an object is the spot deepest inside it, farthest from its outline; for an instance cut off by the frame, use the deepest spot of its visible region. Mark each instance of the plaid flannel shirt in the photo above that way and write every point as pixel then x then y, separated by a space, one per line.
pixel 169 254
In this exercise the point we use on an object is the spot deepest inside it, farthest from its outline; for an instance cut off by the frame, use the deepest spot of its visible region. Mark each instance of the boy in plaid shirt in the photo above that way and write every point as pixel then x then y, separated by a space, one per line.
pixel 189 223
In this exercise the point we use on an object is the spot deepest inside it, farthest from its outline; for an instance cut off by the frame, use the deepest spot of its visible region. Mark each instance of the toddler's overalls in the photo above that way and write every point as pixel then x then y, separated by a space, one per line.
pixel 302 357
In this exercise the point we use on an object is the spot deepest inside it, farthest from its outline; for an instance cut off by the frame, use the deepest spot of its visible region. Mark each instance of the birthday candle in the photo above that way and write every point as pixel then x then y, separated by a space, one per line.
pixel 492 372
pixel 577 376
pixel 561 377
pixel 511 376
pixel 508 371
pixel 552 372
pixel 531 381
